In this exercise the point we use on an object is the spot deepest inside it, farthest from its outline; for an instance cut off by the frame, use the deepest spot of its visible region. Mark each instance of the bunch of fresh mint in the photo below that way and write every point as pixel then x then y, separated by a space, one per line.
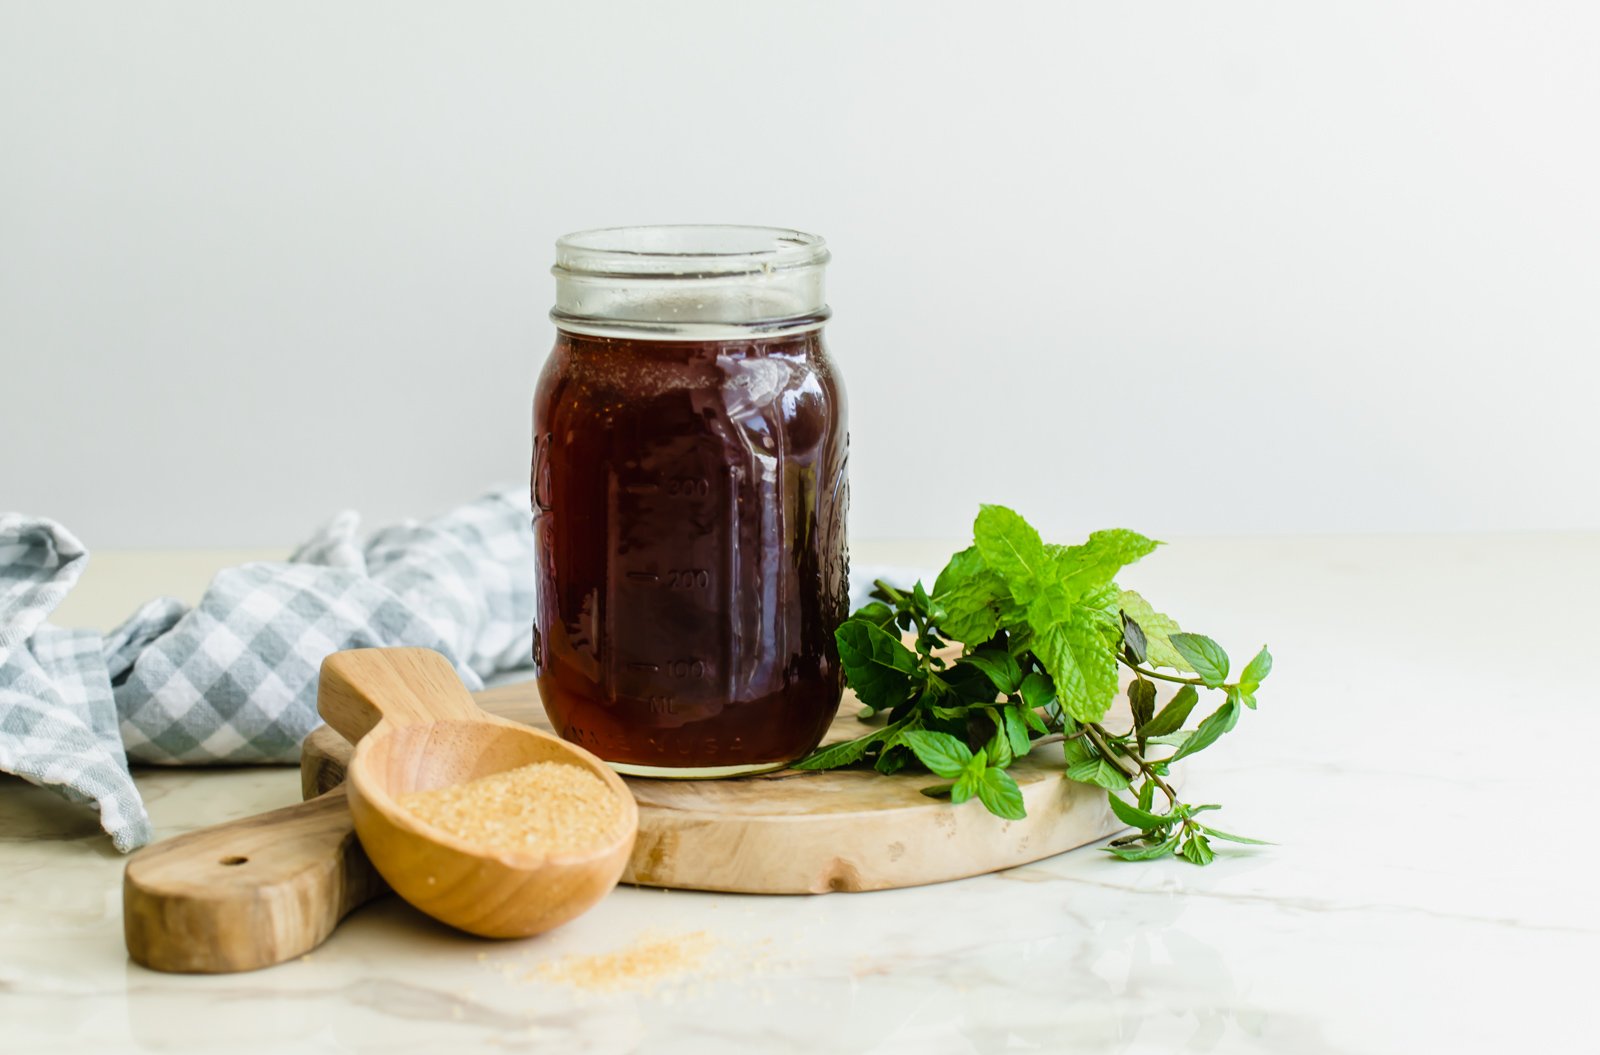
pixel 1019 644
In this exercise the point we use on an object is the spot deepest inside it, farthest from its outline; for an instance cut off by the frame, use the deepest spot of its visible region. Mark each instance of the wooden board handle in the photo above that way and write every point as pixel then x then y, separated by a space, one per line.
pixel 249 893
pixel 362 686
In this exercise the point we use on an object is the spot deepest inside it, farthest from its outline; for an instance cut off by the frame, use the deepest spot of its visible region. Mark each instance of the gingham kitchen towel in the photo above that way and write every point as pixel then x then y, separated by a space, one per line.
pixel 234 679
pixel 58 723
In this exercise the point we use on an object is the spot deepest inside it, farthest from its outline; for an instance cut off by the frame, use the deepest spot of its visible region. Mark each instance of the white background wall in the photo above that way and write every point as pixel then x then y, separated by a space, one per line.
pixel 1192 268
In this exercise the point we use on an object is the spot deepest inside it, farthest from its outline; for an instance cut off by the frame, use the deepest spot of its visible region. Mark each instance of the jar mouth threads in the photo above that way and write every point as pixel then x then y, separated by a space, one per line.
pixel 690 281
pixel 690 250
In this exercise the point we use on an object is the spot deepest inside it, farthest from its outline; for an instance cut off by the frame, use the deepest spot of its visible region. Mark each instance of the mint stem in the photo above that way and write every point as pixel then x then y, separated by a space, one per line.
pixel 1098 734
pixel 894 595
pixel 1163 677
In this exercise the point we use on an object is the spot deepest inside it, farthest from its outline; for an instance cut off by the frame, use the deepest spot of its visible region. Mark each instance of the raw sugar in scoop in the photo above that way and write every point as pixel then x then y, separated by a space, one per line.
pixel 542 808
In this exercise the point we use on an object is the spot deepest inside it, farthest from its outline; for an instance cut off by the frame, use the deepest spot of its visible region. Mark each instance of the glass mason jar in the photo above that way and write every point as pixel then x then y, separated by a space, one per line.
pixel 689 498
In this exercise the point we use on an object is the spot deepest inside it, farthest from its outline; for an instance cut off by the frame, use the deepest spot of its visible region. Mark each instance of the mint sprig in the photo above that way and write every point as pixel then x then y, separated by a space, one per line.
pixel 1019 644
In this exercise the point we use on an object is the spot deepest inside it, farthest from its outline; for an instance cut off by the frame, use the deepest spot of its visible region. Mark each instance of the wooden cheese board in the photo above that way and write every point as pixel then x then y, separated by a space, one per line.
pixel 794 832
pixel 252 893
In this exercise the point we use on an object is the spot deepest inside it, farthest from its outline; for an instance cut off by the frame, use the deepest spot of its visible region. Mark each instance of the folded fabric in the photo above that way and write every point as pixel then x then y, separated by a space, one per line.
pixel 58 723
pixel 234 679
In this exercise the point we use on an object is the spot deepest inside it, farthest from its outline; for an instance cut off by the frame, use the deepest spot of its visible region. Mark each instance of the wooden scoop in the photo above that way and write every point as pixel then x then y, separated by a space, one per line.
pixel 248 893
pixel 417 728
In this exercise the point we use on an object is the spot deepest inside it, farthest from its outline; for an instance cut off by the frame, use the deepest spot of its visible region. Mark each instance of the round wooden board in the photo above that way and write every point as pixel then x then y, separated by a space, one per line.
pixel 795 832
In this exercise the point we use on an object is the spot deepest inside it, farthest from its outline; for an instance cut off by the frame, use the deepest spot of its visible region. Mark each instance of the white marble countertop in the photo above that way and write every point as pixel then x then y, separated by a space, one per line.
pixel 1431 890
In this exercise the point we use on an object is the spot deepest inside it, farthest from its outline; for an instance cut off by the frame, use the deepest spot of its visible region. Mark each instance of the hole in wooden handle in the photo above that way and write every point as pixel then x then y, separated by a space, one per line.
pixel 233 860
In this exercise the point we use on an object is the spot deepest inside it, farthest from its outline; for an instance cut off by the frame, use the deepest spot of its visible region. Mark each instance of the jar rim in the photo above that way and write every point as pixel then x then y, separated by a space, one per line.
pixel 686 251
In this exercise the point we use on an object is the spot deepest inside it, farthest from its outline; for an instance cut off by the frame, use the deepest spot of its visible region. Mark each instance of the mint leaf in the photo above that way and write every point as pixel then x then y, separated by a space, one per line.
pixel 878 666
pixel 1158 630
pixel 1019 639
pixel 1205 657
pixel 1037 691
pixel 938 791
pixel 835 755
pixel 843 754
pixel 1147 795
pixel 1016 720
pixel 1000 666
pixel 1214 833
pixel 1067 640
pixel 1000 794
pixel 1099 609
pixel 969 596
pixel 972 602
pixel 1197 849
pixel 971 777
pixel 1221 720
pixel 943 754
pixel 999 745
pixel 962 684
pixel 1082 569
pixel 1177 739
pixel 1142 699
pixel 1075 751
pixel 962 568
pixel 1099 772
pixel 1012 549
pixel 877 613
pixel 892 759
pixel 1134 816
pixel 851 751
pixel 1145 853
pixel 1174 714
pixel 1255 672
pixel 1133 641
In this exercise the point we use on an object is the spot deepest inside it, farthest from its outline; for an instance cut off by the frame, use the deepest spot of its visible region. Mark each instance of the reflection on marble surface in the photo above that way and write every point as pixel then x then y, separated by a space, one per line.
pixel 1430 891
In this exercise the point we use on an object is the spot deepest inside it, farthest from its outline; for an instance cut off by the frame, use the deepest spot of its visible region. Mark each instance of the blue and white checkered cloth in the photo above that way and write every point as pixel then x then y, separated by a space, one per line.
pixel 235 678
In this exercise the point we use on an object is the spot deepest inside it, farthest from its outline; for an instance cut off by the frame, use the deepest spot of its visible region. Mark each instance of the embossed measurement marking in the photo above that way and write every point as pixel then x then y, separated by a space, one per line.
pixel 681 506
pixel 688 487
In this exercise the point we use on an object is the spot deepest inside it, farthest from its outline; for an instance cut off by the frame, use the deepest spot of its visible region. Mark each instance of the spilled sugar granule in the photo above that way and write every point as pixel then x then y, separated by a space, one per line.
pixel 651 959
pixel 664 966
pixel 543 808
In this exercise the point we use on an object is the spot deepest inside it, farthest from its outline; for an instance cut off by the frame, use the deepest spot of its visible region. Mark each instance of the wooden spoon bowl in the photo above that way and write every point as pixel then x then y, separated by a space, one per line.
pixel 417 728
